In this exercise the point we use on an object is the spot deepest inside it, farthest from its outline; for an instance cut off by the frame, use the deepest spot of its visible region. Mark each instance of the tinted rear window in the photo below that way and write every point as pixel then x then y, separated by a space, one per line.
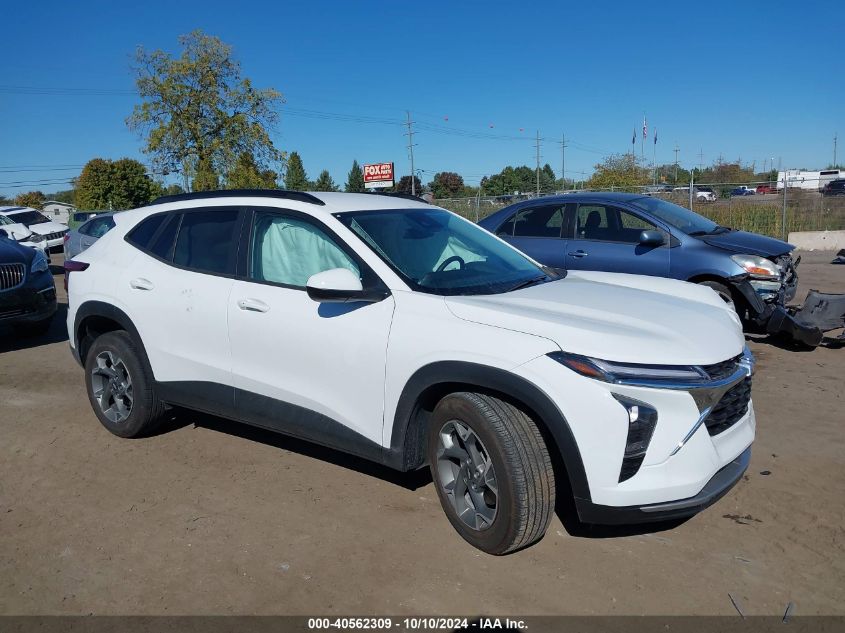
pixel 206 241
pixel 162 243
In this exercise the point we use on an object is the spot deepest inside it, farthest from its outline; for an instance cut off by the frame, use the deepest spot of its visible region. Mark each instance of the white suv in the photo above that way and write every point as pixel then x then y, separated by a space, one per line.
pixel 400 332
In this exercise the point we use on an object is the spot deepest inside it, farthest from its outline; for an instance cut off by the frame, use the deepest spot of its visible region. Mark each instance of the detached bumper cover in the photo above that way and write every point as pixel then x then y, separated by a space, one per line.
pixel 713 490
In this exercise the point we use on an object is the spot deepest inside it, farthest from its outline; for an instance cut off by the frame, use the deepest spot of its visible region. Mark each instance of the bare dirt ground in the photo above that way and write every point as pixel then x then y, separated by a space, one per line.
pixel 216 518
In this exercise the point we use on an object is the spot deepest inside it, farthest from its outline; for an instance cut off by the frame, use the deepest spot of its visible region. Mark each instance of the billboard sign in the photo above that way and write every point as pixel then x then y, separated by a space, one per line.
pixel 378 175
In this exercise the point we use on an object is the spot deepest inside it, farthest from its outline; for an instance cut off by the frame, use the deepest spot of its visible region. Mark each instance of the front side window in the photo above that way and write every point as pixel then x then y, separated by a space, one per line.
pixel 206 241
pixel 438 252
pixel 610 224
pixel 287 251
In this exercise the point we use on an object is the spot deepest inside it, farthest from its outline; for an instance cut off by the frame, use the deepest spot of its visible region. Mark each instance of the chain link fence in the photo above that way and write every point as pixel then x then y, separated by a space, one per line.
pixel 763 207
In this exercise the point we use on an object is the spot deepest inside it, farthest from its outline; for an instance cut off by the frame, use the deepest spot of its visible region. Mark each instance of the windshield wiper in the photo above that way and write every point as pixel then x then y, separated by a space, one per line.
pixel 529 282
pixel 720 229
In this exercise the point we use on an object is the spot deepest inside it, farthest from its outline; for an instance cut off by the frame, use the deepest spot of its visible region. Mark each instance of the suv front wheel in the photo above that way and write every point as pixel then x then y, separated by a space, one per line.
pixel 492 472
pixel 120 387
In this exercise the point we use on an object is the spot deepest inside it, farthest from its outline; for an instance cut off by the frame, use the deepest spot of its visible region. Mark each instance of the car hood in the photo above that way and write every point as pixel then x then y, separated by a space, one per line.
pixel 45 228
pixel 13 253
pixel 750 243
pixel 16 231
pixel 616 317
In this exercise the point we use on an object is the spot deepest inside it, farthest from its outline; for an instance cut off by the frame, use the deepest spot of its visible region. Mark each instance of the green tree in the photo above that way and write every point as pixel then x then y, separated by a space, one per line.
pixel 34 199
pixel 619 171
pixel 404 185
pixel 198 113
pixel 247 175
pixel 447 184
pixel 174 190
pixel 68 196
pixel 120 184
pixel 355 179
pixel 295 176
pixel 324 182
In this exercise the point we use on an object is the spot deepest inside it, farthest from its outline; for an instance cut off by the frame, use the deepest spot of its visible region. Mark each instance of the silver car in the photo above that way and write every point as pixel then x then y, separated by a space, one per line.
pixel 77 240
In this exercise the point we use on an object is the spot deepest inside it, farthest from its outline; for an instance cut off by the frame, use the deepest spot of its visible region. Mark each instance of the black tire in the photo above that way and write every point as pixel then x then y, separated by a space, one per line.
pixel 146 411
pixel 35 328
pixel 525 497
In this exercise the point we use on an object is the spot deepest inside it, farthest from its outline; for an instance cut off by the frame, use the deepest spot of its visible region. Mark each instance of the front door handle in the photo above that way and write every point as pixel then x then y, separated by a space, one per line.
pixel 579 254
pixel 253 305
pixel 139 283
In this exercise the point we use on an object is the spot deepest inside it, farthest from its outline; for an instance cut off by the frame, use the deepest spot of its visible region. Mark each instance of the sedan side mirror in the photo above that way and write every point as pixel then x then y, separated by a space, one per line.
pixel 340 285
pixel 652 238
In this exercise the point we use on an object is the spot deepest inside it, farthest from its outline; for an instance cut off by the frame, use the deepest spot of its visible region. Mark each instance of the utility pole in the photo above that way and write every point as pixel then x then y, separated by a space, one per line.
pixel 538 162
pixel 676 150
pixel 411 144
pixel 700 159
pixel 834 149
pixel 563 160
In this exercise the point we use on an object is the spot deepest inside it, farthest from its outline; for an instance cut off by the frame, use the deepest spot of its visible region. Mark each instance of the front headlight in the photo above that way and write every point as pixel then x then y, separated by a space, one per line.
pixel 615 372
pixel 758 267
pixel 39 263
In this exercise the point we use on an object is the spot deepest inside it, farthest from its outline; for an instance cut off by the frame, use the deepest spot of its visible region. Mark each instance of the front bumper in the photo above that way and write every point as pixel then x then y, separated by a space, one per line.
pixel 29 303
pixel 716 488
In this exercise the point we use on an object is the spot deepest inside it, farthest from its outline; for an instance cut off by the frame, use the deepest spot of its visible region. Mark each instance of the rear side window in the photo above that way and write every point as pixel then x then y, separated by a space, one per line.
pixel 162 243
pixel 207 240
pixel 142 234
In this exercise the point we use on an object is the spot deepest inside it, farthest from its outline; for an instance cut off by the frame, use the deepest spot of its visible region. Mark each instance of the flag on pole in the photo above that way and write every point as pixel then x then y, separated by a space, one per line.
pixel 645 128
pixel 655 136
pixel 634 138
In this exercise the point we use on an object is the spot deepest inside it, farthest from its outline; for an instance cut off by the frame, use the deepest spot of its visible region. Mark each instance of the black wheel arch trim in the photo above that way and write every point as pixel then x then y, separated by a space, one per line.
pixel 408 432
pixel 104 310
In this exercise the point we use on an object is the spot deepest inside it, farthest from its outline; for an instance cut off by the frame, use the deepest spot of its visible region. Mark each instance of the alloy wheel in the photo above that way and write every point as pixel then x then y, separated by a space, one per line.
pixel 466 475
pixel 111 386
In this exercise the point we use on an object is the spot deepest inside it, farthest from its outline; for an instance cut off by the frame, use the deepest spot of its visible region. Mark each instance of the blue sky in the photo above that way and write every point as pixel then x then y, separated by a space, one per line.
pixel 750 80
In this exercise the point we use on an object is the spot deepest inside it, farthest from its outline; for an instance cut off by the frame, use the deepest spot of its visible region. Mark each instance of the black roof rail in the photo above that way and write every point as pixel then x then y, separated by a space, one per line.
pixel 285 194
pixel 398 194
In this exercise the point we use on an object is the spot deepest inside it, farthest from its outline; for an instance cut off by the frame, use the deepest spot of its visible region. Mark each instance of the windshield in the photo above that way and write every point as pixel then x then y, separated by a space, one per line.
pixel 5 220
pixel 438 252
pixel 29 217
pixel 679 217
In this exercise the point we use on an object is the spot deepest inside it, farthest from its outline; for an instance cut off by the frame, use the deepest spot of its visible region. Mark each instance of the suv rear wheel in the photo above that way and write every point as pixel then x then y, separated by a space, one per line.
pixel 492 472
pixel 120 387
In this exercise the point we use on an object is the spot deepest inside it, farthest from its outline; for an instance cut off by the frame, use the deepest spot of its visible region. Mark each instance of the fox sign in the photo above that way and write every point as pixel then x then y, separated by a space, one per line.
pixel 378 175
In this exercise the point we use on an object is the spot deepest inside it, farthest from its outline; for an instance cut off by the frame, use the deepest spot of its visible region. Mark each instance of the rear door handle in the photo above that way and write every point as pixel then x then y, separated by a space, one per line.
pixel 139 283
pixel 579 254
pixel 253 305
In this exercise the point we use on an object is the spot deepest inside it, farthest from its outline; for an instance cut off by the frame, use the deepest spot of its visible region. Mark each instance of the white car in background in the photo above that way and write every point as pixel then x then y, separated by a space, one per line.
pixel 402 333
pixel 44 233
pixel 20 234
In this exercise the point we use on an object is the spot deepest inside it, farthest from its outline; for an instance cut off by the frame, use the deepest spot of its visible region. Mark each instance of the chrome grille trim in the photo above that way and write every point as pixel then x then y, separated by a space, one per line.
pixel 11 276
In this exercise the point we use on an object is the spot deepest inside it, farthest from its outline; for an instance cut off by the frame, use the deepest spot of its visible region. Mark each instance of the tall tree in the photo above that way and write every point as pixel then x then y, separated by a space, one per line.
pixel 446 184
pixel 295 176
pixel 120 184
pixel 34 199
pixel 198 113
pixel 404 185
pixel 619 171
pixel 324 182
pixel 355 179
pixel 247 175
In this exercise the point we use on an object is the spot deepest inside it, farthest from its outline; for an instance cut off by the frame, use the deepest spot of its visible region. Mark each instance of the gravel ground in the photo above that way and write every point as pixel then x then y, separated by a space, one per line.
pixel 216 518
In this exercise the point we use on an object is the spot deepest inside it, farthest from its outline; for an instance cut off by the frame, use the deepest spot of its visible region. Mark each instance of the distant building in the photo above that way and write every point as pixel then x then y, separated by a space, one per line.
pixel 58 211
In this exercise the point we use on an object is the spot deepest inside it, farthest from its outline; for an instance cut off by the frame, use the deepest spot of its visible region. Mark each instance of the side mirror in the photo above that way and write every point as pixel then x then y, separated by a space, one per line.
pixel 340 285
pixel 652 238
